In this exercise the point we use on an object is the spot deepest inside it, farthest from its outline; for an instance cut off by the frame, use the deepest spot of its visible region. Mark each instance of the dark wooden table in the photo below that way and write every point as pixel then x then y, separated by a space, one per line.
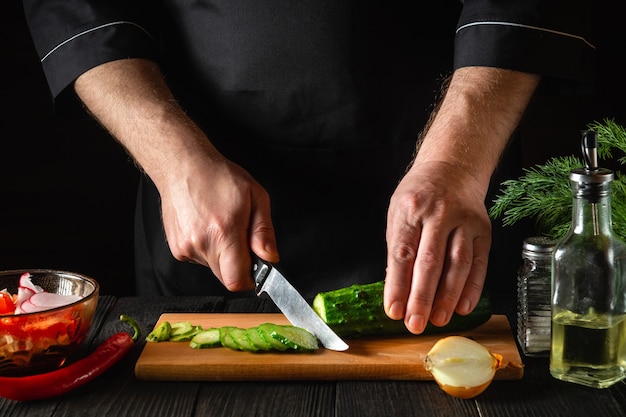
pixel 117 393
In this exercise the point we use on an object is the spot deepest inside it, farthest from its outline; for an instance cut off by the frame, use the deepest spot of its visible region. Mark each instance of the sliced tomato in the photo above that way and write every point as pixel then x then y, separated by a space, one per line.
pixel 7 305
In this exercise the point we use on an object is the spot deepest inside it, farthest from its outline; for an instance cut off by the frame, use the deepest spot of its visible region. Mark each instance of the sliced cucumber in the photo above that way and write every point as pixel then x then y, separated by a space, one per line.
pixel 265 331
pixel 295 337
pixel 224 331
pixel 161 333
pixel 181 327
pixel 206 339
pixel 256 339
pixel 227 339
pixel 267 336
pixel 183 331
pixel 241 339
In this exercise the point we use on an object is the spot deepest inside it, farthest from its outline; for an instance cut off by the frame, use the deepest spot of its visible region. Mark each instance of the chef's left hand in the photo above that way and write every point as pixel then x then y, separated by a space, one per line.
pixel 438 238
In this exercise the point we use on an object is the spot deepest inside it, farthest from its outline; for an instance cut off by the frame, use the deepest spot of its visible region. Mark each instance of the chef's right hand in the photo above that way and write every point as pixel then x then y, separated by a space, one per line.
pixel 214 214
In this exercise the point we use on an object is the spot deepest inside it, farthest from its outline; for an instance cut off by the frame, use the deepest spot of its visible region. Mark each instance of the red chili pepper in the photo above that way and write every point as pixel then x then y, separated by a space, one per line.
pixel 63 380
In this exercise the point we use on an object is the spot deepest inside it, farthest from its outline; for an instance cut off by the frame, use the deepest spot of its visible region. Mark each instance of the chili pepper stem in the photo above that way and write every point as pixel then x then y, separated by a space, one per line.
pixel 132 323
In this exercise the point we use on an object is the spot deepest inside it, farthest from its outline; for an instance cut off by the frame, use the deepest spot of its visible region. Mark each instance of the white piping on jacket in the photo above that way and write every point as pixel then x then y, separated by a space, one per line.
pixel 457 31
pixel 122 22
pixel 556 32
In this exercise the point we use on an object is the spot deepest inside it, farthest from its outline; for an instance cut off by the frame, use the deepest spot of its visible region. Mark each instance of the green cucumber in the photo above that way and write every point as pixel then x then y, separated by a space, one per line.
pixel 295 338
pixel 267 336
pixel 241 339
pixel 206 339
pixel 256 339
pixel 183 331
pixel 265 331
pixel 358 311
pixel 180 328
pixel 227 339
pixel 161 333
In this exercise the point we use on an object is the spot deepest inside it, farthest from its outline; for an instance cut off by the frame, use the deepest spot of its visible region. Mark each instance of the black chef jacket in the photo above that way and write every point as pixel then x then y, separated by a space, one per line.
pixel 321 101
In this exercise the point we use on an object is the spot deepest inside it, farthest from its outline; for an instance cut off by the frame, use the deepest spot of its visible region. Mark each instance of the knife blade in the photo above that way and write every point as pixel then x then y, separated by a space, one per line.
pixel 268 280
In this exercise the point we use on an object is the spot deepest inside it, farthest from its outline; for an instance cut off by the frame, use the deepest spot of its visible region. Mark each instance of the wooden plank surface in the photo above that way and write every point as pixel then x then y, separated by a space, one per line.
pixel 388 358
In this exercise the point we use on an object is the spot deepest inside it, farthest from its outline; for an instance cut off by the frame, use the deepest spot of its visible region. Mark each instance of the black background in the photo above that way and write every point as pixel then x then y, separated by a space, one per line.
pixel 67 189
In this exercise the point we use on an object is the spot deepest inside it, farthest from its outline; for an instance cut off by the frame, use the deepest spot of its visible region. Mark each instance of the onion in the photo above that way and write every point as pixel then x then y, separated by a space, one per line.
pixel 462 367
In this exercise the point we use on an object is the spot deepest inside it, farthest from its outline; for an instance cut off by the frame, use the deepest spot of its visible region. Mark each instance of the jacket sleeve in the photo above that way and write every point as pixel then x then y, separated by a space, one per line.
pixel 547 37
pixel 72 36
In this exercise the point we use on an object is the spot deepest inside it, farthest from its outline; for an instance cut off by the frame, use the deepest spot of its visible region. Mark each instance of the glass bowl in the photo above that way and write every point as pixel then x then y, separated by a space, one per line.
pixel 38 342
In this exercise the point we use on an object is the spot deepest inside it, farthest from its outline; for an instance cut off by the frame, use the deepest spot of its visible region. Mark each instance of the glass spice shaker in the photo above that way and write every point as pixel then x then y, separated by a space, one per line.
pixel 589 284
pixel 533 296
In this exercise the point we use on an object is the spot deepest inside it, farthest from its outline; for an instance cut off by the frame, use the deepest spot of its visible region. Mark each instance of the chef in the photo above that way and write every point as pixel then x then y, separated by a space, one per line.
pixel 305 132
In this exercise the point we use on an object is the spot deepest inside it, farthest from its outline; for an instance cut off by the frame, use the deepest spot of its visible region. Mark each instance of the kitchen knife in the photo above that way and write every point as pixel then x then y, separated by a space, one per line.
pixel 270 281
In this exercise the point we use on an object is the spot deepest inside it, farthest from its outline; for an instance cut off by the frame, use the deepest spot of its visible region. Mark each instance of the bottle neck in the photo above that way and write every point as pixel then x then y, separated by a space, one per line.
pixel 592 216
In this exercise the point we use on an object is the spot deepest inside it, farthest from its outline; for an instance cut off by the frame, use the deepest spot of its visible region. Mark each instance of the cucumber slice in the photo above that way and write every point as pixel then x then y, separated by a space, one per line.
pixel 265 331
pixel 256 339
pixel 295 338
pixel 224 332
pixel 183 331
pixel 227 339
pixel 206 339
pixel 180 328
pixel 240 337
pixel 161 333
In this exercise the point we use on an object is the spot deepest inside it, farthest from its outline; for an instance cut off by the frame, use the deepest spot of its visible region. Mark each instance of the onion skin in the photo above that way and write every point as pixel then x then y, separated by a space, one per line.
pixel 464 393
pixel 462 367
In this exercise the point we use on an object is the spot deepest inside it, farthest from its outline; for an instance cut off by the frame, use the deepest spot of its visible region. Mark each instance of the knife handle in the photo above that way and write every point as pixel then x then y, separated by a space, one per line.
pixel 260 271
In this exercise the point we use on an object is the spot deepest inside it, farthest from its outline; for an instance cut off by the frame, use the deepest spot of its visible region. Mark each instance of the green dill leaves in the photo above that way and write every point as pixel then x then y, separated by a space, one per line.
pixel 543 192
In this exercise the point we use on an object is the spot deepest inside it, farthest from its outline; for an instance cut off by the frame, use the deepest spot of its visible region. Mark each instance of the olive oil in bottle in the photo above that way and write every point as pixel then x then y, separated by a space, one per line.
pixel 591 349
pixel 588 336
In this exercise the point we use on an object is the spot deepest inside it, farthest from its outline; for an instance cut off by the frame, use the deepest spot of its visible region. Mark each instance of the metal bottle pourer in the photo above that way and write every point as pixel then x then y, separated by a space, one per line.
pixel 589 147
pixel 591 182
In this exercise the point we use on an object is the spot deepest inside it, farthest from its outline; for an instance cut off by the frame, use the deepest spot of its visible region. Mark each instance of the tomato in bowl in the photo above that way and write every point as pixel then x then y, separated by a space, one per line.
pixel 7 303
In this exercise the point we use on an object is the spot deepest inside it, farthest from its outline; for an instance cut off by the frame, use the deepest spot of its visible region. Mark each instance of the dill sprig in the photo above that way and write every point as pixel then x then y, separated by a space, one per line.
pixel 544 193
pixel 611 136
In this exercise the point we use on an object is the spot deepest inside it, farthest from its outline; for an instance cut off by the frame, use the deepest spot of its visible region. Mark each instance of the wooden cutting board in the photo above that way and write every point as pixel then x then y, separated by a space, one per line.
pixel 389 358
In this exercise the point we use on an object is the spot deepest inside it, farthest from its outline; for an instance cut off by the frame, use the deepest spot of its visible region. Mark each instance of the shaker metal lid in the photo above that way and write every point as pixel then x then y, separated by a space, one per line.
pixel 539 244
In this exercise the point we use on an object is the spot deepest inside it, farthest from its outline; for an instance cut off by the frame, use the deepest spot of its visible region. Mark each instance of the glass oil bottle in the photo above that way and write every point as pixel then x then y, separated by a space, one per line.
pixel 588 342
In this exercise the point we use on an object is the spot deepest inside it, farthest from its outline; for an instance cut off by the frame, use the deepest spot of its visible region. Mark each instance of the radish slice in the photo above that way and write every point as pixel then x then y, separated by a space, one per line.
pixel 45 301
pixel 32 298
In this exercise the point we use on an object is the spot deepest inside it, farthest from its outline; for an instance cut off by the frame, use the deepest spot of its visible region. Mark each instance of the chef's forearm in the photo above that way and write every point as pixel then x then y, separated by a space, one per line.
pixel 481 109
pixel 132 101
